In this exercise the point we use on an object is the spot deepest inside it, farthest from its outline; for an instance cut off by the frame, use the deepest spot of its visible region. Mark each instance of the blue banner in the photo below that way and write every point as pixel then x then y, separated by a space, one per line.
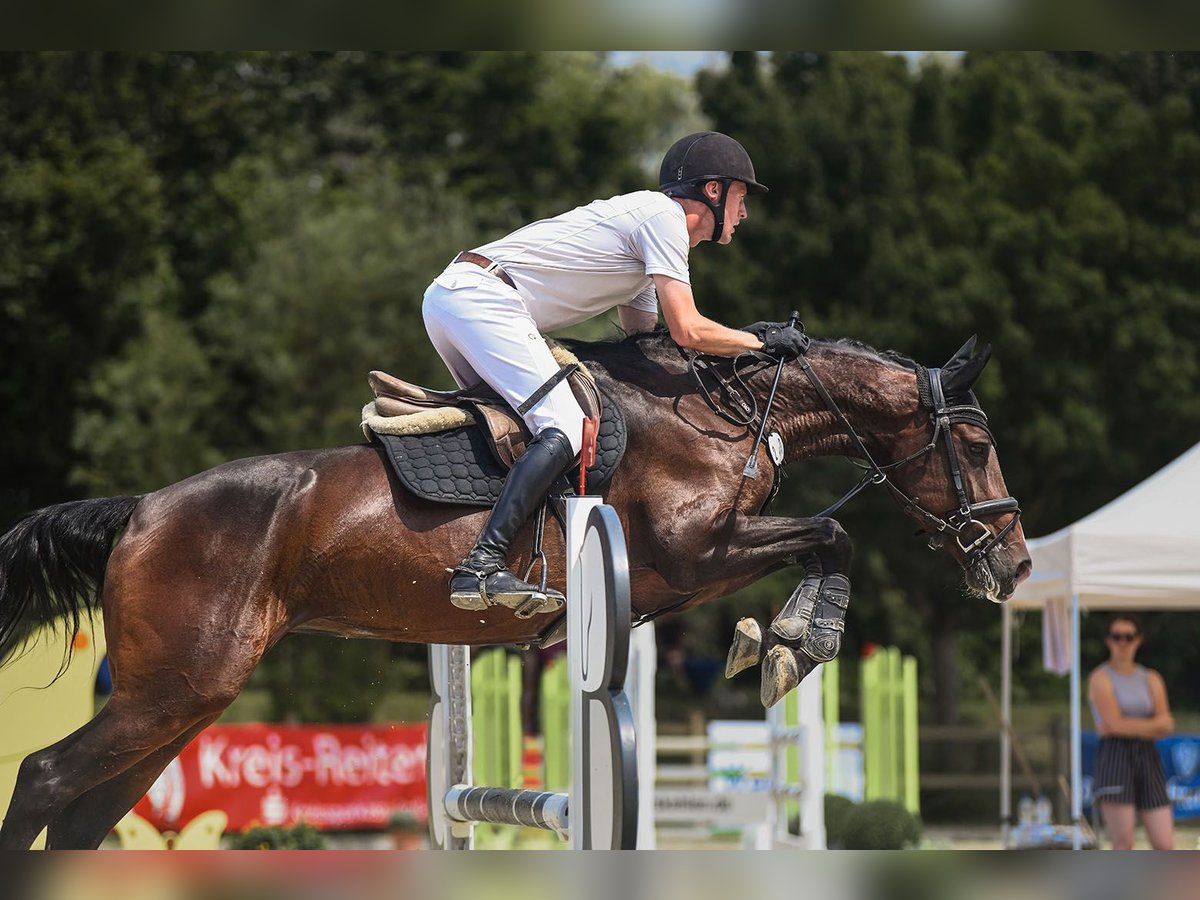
pixel 1180 756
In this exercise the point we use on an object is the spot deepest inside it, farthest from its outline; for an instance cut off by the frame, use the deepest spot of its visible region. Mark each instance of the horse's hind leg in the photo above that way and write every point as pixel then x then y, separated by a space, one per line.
pixel 137 723
pixel 89 819
pixel 48 780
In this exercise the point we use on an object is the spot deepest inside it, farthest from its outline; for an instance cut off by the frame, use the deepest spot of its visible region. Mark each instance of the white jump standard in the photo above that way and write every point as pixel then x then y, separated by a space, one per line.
pixel 600 812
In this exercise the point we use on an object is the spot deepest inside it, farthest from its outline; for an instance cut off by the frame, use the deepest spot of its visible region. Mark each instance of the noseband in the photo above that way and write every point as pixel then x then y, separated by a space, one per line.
pixel 973 537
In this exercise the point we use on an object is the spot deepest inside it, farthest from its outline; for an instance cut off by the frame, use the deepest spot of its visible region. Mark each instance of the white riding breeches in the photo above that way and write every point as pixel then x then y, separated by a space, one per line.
pixel 483 332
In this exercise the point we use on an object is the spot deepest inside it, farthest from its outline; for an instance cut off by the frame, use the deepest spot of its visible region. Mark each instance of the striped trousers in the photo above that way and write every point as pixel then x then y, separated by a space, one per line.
pixel 1129 770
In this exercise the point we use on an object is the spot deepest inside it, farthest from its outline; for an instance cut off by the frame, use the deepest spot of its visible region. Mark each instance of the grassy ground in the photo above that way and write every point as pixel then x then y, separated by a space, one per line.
pixel 1187 837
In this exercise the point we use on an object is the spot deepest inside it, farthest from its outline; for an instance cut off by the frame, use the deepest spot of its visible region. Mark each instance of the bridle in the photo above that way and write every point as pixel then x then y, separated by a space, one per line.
pixel 954 523
pixel 958 523
pixel 962 523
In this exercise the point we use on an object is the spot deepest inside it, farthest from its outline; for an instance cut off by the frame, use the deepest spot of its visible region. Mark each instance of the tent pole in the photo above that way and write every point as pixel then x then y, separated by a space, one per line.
pixel 1076 750
pixel 1006 719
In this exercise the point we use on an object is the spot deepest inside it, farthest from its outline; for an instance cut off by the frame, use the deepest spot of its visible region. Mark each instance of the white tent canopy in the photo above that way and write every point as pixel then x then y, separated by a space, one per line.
pixel 1141 551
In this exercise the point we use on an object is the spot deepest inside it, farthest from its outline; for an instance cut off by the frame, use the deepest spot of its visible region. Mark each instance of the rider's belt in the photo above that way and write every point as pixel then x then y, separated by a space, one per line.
pixel 484 263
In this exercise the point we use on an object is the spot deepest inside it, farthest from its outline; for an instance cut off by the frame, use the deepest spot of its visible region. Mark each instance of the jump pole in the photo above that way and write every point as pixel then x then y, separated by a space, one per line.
pixel 600 811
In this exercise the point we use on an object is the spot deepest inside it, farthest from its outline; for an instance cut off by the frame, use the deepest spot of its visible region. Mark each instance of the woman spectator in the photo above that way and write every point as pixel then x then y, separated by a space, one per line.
pixel 1129 704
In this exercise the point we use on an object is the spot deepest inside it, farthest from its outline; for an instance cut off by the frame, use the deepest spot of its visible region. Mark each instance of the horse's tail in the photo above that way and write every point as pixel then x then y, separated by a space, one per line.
pixel 52 565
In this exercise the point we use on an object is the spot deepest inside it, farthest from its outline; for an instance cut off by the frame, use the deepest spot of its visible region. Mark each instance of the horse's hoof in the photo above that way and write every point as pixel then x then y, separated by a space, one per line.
pixel 779 675
pixel 746 649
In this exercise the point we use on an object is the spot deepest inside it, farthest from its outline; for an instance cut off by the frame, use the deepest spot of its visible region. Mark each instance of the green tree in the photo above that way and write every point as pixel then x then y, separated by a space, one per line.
pixel 333 295
pixel 77 226
pixel 104 163
pixel 143 421
pixel 201 255
pixel 1043 201
pixel 303 203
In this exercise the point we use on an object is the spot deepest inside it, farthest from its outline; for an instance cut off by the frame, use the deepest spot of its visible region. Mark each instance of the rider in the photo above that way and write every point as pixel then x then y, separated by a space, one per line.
pixel 485 314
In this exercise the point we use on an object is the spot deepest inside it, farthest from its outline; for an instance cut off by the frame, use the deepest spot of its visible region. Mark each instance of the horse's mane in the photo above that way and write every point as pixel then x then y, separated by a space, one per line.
pixel 859 348
pixel 647 344
pixel 657 345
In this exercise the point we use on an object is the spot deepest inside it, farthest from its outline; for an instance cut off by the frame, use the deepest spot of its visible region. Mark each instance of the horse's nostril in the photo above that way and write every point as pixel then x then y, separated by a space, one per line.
pixel 1023 569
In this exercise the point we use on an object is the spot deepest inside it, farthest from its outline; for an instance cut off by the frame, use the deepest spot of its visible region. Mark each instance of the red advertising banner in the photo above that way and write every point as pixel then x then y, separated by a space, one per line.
pixel 336 777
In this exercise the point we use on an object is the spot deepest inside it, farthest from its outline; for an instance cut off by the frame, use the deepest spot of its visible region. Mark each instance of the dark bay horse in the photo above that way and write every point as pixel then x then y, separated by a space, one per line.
pixel 209 573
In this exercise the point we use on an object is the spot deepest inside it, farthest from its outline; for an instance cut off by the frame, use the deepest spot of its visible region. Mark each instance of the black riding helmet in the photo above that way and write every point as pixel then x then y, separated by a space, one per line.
pixel 707 156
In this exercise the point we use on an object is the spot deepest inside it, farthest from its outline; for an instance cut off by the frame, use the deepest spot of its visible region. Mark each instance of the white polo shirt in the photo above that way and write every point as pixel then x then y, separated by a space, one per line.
pixel 582 263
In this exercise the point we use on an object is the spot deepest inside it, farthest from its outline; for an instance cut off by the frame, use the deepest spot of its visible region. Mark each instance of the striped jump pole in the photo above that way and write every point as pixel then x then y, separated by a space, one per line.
pixel 600 810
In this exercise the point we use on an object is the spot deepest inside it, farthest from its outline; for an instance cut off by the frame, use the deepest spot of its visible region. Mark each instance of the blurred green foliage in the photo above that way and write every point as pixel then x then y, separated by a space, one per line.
pixel 837 811
pixel 202 254
pixel 880 825
pixel 300 836
pixel 870 825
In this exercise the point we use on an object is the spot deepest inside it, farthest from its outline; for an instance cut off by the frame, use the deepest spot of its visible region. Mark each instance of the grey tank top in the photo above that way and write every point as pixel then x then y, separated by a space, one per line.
pixel 1132 692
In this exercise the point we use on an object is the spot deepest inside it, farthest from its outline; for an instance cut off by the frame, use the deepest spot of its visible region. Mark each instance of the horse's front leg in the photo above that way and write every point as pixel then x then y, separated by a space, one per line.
pixel 809 629
pixel 807 632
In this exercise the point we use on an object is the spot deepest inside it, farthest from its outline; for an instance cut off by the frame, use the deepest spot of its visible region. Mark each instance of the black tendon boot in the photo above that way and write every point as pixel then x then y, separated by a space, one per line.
pixel 483 579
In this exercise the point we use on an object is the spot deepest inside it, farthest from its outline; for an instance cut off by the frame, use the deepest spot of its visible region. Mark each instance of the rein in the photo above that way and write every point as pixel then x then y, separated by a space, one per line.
pixel 746 403
pixel 956 522
pixel 963 523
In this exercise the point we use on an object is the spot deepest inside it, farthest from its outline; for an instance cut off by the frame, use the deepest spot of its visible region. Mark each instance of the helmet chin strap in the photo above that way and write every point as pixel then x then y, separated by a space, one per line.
pixel 718 209
pixel 696 192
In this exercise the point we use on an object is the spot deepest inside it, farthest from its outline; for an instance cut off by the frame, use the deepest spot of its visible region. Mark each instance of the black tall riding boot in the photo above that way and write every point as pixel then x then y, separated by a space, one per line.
pixel 483 579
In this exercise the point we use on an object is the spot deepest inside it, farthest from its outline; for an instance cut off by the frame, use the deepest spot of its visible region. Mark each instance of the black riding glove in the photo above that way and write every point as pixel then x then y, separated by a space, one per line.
pixel 758 329
pixel 779 339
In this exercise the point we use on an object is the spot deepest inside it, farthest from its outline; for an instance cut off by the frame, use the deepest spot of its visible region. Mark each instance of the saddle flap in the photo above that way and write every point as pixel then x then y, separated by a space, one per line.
pixel 456 459
pixel 508 434
pixel 587 395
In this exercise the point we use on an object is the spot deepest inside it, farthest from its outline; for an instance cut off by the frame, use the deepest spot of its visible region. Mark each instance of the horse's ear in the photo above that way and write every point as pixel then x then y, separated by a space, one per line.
pixel 964 367
pixel 963 354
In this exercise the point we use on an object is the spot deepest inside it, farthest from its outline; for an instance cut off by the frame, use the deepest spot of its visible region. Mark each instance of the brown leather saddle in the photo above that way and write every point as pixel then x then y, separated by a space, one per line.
pixel 500 424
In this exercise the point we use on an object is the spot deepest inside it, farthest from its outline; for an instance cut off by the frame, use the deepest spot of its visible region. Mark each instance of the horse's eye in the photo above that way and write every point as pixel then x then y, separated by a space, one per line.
pixel 978 449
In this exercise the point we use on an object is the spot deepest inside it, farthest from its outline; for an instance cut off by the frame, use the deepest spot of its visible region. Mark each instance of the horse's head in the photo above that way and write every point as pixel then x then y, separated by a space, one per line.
pixel 947 475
